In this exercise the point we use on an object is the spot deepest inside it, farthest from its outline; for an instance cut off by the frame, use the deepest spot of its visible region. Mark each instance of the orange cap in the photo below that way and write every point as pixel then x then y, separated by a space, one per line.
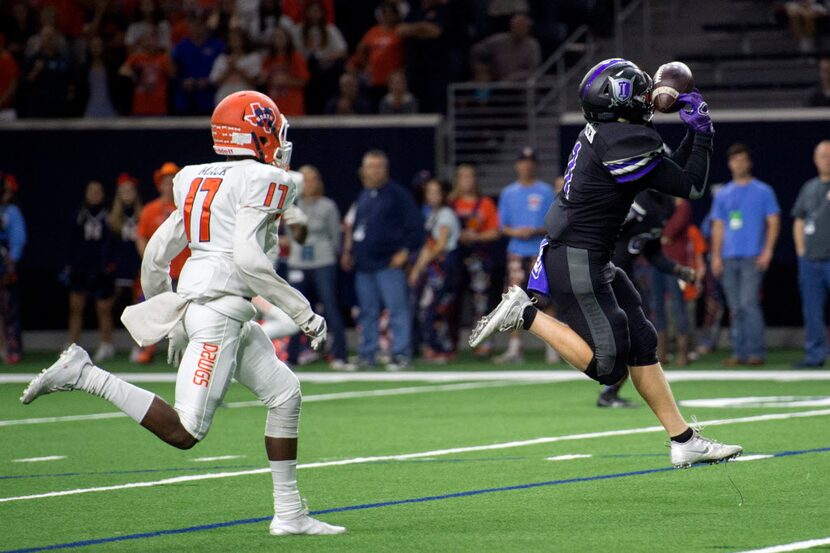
pixel 169 168
pixel 126 178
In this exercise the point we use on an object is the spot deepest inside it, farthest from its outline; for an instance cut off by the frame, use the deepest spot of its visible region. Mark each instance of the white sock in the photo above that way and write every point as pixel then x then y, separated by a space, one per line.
pixel 287 502
pixel 134 401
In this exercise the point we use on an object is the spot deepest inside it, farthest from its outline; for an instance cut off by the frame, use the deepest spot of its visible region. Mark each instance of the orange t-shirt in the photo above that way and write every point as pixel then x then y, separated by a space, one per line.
pixel 478 215
pixel 9 72
pixel 150 94
pixel 290 99
pixel 152 216
pixel 697 246
pixel 386 54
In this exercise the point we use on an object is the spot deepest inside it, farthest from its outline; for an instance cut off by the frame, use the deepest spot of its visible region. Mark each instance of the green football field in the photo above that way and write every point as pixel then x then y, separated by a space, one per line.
pixel 433 461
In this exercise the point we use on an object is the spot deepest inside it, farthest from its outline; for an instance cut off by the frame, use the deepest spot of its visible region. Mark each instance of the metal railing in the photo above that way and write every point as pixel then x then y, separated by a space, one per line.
pixel 488 122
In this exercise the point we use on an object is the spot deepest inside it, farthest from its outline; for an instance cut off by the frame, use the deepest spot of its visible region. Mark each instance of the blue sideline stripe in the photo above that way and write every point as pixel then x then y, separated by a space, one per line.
pixel 364 506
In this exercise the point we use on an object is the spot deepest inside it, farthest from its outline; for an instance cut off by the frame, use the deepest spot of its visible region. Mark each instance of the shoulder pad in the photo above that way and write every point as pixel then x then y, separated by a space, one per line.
pixel 268 188
pixel 628 151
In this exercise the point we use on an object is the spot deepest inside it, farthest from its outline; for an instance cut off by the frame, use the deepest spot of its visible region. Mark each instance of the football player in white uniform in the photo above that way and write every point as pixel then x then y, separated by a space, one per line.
pixel 226 213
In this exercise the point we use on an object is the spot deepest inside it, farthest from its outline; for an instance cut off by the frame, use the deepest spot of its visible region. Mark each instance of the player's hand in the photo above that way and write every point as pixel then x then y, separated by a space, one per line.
pixel 686 274
pixel 763 260
pixel 695 112
pixel 177 342
pixel 315 328
pixel 717 266
pixel 295 216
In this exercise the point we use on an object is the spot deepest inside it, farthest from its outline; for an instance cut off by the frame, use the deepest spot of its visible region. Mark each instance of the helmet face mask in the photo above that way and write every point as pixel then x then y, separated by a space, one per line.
pixel 616 90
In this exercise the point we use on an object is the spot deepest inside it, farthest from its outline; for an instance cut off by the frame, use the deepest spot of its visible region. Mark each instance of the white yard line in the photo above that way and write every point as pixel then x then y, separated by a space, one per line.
pixel 418 455
pixel 795 546
pixel 306 399
pixel 568 457
pixel 469 376
pixel 744 458
pixel 39 459
pixel 217 458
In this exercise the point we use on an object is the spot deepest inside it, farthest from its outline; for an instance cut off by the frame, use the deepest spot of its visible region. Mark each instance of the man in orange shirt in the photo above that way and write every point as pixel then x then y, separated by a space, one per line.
pixel 149 68
pixel 152 216
pixel 380 52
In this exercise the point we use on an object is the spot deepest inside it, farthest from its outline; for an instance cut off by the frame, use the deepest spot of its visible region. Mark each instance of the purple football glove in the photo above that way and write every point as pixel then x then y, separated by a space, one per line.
pixel 696 112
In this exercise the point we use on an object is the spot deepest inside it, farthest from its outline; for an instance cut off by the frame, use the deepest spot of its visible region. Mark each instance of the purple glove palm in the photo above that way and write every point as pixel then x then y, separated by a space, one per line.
pixel 696 112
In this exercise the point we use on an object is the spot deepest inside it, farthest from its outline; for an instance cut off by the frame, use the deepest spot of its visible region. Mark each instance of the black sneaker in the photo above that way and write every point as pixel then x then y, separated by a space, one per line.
pixel 615 402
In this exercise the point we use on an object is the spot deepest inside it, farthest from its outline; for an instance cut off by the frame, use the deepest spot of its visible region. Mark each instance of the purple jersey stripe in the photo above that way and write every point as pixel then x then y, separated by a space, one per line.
pixel 642 172
pixel 599 70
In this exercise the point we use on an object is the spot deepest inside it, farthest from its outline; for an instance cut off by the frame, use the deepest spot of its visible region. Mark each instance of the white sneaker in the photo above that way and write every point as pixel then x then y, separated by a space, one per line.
pixel 105 351
pixel 509 358
pixel 63 376
pixel 506 316
pixel 340 365
pixel 701 450
pixel 303 525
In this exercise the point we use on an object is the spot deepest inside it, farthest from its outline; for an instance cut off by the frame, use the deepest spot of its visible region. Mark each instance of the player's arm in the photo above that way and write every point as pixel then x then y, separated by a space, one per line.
pixel 798 237
pixel 165 244
pixel 258 271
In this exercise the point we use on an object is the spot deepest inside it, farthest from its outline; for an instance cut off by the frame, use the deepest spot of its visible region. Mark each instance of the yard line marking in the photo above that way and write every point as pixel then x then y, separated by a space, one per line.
pixel 568 457
pixel 306 399
pixel 744 458
pixel 217 458
pixel 393 503
pixel 40 459
pixel 760 401
pixel 562 375
pixel 795 546
pixel 418 455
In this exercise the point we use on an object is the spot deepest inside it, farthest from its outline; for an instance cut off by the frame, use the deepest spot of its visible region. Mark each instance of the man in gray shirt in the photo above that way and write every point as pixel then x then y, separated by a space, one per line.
pixel 511 56
pixel 811 232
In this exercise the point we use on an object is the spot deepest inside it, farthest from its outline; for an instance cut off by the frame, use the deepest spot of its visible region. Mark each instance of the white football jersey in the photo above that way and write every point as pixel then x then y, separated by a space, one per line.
pixel 208 198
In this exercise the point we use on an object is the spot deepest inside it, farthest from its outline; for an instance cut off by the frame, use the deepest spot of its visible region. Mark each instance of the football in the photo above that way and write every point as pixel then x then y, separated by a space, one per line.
pixel 670 80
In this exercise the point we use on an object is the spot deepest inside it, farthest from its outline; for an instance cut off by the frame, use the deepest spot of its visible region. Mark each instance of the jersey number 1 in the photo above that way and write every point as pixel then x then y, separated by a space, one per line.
pixel 210 187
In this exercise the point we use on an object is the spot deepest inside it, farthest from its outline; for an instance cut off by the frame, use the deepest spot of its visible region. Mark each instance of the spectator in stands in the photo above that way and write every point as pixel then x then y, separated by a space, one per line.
pixel 285 74
pixel 803 15
pixel 745 226
pixel 295 9
pixel 237 69
pixel 47 19
pixel 323 47
pixel 479 219
pixel 18 25
pixel 522 208
pixel 89 270
pixel 380 52
pixel 149 17
pixel 223 18
pixel 435 275
pixel 350 101
pixel 312 265
pixel 811 232
pixel 123 221
pixel 675 247
pixel 427 66
pixel 820 96
pixel 387 227
pixel 149 68
pixel 193 59
pixel 48 78
pixel 12 243
pixel 268 16
pixel 511 56
pixel 9 78
pixel 98 84
pixel 398 100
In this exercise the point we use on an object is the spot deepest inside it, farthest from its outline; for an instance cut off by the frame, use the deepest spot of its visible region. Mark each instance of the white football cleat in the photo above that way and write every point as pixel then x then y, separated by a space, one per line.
pixel 701 450
pixel 506 316
pixel 63 376
pixel 304 525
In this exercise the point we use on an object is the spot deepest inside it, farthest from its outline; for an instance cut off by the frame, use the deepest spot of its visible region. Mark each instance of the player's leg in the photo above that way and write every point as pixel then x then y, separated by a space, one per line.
pixel 278 388
pixel 687 446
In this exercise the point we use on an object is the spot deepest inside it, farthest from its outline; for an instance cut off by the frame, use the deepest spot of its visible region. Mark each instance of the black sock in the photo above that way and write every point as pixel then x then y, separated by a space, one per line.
pixel 684 437
pixel 528 316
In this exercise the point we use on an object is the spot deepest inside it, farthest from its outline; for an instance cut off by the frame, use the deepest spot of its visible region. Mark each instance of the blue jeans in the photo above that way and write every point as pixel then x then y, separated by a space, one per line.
pixel 386 287
pixel 814 281
pixel 660 284
pixel 321 284
pixel 742 285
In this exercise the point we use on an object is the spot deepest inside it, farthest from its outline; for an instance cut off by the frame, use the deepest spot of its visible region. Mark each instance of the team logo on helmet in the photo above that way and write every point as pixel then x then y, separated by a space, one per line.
pixel 261 117
pixel 621 89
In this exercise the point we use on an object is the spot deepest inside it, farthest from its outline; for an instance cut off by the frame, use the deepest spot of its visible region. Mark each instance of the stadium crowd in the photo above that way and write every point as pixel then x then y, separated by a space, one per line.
pixel 105 58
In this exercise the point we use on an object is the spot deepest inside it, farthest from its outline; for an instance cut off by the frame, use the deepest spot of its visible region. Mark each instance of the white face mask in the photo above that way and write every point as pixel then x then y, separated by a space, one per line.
pixel 282 157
